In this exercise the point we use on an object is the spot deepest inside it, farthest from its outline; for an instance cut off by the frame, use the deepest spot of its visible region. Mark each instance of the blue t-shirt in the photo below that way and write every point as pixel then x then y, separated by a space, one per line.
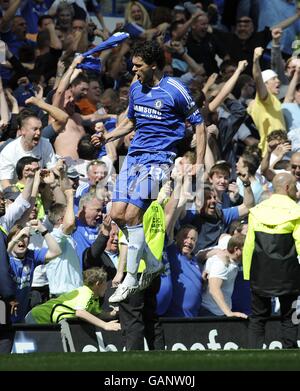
pixel 84 237
pixel 160 113
pixel 210 228
pixel 14 43
pixel 22 274
pixel 226 203
pixel 110 124
pixel 187 284
pixel 165 293
pixel 31 11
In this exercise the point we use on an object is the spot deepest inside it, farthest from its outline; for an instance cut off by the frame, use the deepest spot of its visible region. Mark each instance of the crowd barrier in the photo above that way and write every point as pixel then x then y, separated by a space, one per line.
pixel 180 334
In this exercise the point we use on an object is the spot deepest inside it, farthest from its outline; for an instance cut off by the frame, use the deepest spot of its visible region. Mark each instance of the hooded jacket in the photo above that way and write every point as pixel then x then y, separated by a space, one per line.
pixel 272 246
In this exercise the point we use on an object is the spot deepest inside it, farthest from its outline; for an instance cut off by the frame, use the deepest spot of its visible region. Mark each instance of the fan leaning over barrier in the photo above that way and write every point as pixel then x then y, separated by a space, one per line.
pixel 82 303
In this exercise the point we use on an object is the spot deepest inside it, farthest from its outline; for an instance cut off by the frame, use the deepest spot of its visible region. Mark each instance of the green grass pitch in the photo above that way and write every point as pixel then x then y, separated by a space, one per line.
pixel 258 360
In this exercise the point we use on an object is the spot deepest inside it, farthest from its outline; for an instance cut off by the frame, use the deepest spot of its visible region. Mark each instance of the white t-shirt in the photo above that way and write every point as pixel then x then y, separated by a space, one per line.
pixel 14 151
pixel 217 268
pixel 39 278
pixel 14 212
pixel 64 272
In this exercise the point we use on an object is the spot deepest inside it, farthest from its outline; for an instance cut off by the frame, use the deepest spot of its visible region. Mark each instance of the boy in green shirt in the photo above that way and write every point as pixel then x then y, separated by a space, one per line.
pixel 82 303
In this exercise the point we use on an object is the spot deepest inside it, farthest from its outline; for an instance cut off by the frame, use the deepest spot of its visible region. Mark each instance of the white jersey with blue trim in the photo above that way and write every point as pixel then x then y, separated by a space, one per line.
pixel 160 113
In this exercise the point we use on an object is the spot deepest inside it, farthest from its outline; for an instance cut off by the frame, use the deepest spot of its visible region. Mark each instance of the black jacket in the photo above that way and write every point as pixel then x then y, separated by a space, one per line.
pixel 7 285
pixel 95 256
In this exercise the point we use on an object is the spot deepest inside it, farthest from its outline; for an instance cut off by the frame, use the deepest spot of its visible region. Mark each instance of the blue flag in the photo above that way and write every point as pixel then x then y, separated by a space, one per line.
pixel 111 42
pixel 93 63
pixel 90 63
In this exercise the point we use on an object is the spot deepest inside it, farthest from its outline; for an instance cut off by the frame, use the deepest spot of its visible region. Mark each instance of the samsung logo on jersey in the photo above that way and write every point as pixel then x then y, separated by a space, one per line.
pixel 152 113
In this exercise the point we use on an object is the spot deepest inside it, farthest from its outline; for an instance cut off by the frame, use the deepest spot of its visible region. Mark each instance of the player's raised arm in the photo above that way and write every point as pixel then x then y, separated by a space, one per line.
pixel 125 126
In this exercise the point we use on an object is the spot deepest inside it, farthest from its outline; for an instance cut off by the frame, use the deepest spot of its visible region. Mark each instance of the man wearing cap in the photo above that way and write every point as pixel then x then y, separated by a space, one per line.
pixel 265 110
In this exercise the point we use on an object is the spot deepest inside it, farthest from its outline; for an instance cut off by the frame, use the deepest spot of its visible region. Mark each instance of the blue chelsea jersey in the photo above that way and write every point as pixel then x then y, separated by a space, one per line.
pixel 160 113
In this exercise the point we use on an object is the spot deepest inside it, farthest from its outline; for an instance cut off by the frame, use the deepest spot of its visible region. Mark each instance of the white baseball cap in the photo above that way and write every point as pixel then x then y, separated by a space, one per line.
pixel 268 74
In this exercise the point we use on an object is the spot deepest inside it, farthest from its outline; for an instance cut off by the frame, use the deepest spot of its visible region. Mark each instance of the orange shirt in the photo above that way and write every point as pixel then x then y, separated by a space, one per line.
pixel 86 107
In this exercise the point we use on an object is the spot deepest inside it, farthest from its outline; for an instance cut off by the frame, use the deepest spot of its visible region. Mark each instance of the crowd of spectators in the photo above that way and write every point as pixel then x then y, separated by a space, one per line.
pixel 240 61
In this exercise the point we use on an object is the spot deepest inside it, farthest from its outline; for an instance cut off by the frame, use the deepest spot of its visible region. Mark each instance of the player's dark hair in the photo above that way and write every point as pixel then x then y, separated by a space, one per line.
pixel 150 52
